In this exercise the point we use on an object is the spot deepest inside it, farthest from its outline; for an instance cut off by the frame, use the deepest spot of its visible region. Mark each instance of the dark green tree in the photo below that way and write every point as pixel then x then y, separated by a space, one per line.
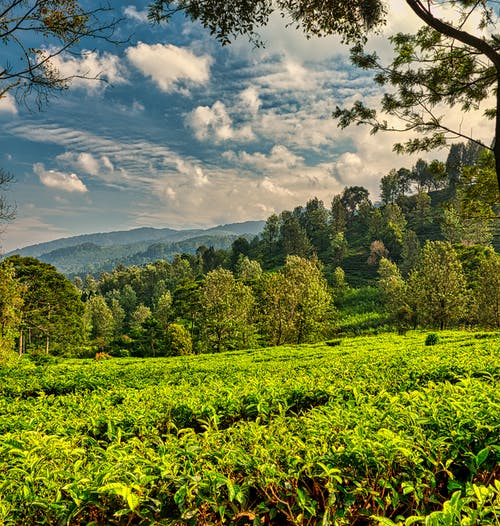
pixel 52 310
pixel 11 303
pixel 315 220
pixel 293 237
pixel 239 247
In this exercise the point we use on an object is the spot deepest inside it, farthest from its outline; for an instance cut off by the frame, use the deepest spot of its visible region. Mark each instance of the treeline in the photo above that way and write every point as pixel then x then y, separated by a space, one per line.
pixel 161 309
pixel 426 246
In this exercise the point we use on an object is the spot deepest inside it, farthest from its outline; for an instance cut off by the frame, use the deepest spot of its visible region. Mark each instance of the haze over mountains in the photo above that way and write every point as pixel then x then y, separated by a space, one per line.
pixel 95 253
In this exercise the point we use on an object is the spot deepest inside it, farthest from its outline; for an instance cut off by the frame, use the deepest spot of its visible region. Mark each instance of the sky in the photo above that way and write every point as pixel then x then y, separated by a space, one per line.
pixel 185 133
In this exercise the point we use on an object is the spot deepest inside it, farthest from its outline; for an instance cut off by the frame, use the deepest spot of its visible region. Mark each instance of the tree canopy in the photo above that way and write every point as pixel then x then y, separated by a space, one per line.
pixel 447 62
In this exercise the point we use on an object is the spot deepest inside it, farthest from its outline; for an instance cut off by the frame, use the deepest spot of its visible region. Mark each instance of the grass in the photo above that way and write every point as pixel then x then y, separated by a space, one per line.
pixel 375 430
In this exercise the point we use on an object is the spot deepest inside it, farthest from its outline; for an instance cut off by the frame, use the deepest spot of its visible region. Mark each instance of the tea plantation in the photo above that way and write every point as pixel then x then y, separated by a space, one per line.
pixel 370 430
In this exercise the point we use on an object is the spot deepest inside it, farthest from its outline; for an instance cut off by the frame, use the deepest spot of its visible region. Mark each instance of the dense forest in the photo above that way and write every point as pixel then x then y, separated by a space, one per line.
pixel 422 257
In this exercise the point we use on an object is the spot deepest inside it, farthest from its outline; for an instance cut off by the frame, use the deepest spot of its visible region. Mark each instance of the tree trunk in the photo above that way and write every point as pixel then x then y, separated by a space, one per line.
pixel 47 344
pixel 20 344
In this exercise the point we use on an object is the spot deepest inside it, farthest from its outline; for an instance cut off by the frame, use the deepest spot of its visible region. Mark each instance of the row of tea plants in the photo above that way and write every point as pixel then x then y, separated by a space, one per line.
pixel 370 430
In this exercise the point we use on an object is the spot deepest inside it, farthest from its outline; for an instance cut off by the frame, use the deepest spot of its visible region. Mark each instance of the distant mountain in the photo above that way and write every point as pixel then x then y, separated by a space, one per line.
pixel 96 253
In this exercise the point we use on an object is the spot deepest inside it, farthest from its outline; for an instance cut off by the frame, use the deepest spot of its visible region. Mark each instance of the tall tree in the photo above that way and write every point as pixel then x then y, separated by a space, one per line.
pixel 11 302
pixel 445 62
pixel 52 309
pixel 38 31
pixel 295 304
pixel 226 306
pixel 293 237
pixel 437 287
pixel 393 289
pixel 99 320
pixel 488 292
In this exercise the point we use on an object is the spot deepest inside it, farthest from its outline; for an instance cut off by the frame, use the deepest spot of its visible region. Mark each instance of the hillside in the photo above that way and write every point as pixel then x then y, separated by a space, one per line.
pixel 95 253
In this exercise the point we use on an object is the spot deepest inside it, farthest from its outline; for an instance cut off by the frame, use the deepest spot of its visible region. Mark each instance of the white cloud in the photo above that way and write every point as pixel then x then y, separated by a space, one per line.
pixel 194 172
pixel 91 70
pixel 250 100
pixel 8 104
pixel 133 13
pixel 273 188
pixel 59 180
pixel 279 158
pixel 216 124
pixel 86 162
pixel 291 76
pixel 170 66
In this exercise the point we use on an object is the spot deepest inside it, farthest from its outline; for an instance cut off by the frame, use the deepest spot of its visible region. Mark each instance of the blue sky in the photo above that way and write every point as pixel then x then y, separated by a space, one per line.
pixel 184 133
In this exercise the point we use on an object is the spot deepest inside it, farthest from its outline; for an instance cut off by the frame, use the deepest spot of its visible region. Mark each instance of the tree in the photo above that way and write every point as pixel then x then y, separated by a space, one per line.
pixel 239 247
pixel 389 187
pixel 437 287
pixel 457 228
pixel 488 292
pixel 38 31
pixel 226 306
pixel 248 270
pixel 293 237
pixel 338 213
pixel 377 252
pixel 11 302
pixel 99 320
pixel 52 309
pixel 313 301
pixel 163 309
pixel 443 63
pixel 394 291
pixel 352 197
pixel 179 340
pixel 461 155
pixel 139 316
pixel 478 193
pixel 410 252
pixel 315 223
pixel 295 304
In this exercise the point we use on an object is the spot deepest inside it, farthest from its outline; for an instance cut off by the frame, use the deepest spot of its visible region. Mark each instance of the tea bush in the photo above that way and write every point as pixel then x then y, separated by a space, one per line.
pixel 376 430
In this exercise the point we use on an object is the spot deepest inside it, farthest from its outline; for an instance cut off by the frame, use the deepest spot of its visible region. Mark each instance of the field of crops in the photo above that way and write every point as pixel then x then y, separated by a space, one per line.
pixel 370 430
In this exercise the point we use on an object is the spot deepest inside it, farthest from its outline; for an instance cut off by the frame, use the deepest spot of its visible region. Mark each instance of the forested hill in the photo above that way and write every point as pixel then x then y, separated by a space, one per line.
pixel 95 253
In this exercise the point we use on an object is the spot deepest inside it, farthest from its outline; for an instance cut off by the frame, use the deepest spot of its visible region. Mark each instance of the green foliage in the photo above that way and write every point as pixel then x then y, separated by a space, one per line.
pixel 52 311
pixel 488 292
pixel 11 303
pixel 226 21
pixel 179 340
pixel 226 306
pixel 370 431
pixel 437 287
pixel 431 339
pixel 295 304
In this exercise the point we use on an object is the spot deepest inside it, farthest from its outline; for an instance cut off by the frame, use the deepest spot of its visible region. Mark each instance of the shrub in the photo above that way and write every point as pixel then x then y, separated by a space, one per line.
pixel 431 339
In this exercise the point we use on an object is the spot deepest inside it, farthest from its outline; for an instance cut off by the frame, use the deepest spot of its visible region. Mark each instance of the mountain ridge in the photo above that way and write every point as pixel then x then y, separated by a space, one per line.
pixel 102 251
